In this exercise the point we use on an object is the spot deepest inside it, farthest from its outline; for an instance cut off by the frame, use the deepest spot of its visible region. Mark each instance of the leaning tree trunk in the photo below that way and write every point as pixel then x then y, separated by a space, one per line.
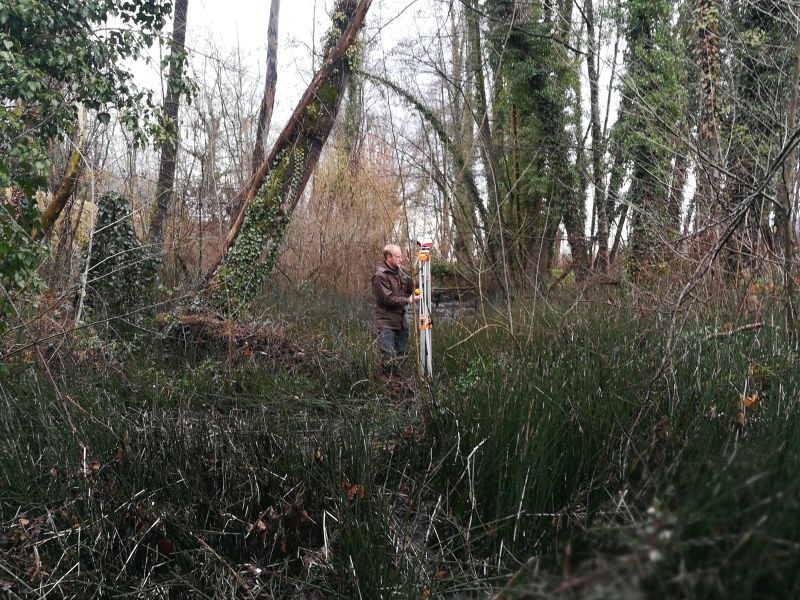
pixel 169 147
pixel 460 166
pixel 268 99
pixel 66 187
pixel 263 208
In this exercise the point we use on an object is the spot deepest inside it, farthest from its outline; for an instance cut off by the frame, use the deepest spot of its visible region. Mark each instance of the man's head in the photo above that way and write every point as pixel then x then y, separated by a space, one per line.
pixel 392 255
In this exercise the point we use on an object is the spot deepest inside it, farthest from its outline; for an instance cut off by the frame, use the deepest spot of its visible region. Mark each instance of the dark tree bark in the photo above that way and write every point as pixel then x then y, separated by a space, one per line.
pixel 268 100
pixel 708 184
pixel 169 147
pixel 573 210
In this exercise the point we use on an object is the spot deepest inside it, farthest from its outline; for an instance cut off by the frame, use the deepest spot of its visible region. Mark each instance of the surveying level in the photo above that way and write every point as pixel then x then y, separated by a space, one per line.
pixel 424 309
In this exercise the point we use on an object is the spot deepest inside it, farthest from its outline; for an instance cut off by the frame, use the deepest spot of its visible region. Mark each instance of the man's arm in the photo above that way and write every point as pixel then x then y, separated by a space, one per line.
pixel 382 289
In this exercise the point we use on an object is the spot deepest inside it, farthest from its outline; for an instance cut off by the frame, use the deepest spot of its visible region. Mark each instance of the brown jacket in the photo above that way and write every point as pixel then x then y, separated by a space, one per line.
pixel 391 289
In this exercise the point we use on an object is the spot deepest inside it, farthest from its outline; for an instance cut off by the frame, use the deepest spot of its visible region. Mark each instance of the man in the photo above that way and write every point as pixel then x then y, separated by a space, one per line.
pixel 391 288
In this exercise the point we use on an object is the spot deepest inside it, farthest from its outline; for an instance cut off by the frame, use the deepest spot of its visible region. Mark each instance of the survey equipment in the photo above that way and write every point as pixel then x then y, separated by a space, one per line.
pixel 424 324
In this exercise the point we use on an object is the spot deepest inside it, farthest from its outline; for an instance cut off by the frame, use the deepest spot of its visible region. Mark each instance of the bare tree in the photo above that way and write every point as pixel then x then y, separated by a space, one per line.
pixel 268 100
pixel 169 147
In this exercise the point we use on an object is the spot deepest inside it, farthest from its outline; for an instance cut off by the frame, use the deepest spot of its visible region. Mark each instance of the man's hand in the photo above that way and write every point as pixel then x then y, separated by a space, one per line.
pixel 417 295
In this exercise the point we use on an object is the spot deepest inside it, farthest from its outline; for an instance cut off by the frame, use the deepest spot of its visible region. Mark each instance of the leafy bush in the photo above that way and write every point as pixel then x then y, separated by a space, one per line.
pixel 121 270
pixel 19 257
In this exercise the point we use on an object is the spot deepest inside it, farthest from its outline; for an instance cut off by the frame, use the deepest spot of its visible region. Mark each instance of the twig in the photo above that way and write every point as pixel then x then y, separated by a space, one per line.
pixel 487 326
pixel 748 327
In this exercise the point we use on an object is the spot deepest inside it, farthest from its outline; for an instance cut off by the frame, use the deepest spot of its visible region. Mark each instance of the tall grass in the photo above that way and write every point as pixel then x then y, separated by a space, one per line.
pixel 570 459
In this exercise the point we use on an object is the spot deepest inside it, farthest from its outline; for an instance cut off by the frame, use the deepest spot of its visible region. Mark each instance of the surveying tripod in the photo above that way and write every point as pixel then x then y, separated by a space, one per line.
pixel 424 324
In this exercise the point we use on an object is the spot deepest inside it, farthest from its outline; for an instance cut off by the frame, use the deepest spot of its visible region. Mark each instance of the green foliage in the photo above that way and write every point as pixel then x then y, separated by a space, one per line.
pixel 245 267
pixel 566 446
pixel 121 270
pixel 55 55
pixel 19 260
pixel 532 84
pixel 442 271
pixel 654 98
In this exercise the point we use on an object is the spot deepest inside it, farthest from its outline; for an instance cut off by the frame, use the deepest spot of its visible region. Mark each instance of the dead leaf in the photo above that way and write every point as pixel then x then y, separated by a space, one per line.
pixel 165 546
pixel 353 489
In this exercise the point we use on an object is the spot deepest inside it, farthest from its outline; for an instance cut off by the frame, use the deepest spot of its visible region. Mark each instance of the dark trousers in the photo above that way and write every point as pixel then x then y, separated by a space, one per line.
pixel 393 347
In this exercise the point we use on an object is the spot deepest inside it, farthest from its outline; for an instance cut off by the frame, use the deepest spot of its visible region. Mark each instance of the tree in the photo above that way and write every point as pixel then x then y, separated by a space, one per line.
pixel 43 80
pixel 271 80
pixel 169 144
pixel 533 76
pixel 652 98
pixel 598 141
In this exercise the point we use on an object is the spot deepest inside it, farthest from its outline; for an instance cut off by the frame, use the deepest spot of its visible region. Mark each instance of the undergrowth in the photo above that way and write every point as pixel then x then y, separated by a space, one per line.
pixel 576 457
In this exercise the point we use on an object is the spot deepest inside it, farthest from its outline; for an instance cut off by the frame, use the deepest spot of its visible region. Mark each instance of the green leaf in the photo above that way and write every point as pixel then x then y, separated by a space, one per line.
pixel 104 118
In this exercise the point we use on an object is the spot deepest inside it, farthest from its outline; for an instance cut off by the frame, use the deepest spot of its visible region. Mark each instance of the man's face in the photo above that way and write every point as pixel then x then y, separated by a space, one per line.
pixel 395 259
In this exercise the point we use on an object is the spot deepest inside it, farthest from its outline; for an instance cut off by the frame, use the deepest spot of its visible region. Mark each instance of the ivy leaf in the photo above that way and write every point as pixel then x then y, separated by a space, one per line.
pixel 104 118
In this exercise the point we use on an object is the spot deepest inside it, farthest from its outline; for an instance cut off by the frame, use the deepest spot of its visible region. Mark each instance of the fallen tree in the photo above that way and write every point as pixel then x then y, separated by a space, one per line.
pixel 264 206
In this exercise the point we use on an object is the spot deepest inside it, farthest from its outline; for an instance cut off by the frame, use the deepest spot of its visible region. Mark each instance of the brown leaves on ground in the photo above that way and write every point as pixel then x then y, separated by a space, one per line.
pixel 353 490
pixel 286 526
pixel 217 335
pixel 750 402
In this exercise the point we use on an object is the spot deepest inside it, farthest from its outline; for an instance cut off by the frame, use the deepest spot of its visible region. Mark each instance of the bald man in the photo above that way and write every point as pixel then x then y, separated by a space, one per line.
pixel 391 287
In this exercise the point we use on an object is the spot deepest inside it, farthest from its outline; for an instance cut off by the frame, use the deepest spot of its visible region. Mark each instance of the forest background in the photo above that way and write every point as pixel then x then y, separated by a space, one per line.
pixel 191 405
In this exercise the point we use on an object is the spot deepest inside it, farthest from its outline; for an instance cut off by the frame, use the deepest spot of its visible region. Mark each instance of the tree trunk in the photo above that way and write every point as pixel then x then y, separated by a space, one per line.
pixel 678 183
pixel 598 143
pixel 573 208
pixel 705 203
pixel 169 147
pixel 268 100
pixel 491 164
pixel 67 186
pixel 785 193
